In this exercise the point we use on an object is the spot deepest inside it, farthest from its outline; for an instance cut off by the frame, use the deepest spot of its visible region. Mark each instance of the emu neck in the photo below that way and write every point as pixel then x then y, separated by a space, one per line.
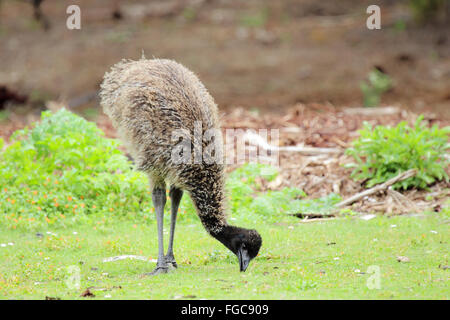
pixel 210 210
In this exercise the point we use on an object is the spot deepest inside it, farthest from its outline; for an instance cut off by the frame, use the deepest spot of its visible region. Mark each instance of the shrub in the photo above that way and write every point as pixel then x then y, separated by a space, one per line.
pixel 382 153
pixel 64 167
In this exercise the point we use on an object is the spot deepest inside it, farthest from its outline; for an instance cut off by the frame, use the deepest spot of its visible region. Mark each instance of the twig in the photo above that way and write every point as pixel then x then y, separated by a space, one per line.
pixel 317 219
pixel 310 150
pixel 259 141
pixel 384 111
pixel 377 188
pixel 310 216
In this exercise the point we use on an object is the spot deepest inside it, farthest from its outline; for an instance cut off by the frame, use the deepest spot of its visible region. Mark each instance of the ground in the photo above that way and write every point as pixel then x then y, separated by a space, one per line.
pixel 336 259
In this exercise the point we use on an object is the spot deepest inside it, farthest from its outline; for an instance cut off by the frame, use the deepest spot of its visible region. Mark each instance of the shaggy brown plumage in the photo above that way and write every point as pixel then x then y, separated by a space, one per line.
pixel 147 100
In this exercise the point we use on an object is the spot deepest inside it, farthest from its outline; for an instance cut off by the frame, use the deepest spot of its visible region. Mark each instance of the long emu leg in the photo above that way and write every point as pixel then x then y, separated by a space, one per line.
pixel 159 200
pixel 175 196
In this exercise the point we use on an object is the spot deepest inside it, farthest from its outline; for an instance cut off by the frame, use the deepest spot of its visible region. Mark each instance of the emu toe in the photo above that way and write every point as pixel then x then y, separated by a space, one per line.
pixel 170 260
pixel 158 270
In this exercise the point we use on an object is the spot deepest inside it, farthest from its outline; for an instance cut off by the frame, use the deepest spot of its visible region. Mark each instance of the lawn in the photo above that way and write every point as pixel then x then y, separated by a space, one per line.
pixel 330 259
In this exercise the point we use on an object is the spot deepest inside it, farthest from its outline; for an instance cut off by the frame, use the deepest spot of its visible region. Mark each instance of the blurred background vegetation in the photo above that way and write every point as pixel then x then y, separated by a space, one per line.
pixel 260 54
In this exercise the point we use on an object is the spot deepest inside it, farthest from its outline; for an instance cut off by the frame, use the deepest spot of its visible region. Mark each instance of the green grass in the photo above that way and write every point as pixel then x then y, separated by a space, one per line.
pixel 297 261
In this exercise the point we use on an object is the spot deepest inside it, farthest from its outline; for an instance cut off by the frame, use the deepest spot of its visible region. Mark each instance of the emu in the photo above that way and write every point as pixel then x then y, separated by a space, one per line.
pixel 147 100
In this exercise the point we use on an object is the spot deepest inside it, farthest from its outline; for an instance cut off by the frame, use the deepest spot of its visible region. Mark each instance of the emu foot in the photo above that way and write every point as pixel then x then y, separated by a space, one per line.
pixel 170 260
pixel 158 270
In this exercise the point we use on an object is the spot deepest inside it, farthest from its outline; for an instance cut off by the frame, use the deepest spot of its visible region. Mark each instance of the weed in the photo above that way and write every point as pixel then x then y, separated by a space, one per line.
pixel 383 152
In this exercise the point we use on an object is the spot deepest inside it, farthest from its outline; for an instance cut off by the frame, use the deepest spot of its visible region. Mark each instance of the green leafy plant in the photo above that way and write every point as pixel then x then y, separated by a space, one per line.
pixel 246 201
pixel 271 205
pixel 323 205
pixel 383 152
pixel 378 83
pixel 277 202
pixel 64 169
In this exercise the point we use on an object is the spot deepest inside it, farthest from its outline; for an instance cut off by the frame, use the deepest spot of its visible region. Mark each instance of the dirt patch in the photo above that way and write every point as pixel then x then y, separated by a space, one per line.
pixel 255 54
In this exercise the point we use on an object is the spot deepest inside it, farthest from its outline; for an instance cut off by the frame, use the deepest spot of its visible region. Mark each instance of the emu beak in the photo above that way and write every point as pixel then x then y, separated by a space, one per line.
pixel 244 259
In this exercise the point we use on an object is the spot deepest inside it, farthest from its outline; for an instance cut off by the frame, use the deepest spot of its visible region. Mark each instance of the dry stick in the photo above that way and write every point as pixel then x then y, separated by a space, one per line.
pixel 356 197
pixel 384 111
pixel 313 216
pixel 259 141
pixel 310 150
pixel 378 188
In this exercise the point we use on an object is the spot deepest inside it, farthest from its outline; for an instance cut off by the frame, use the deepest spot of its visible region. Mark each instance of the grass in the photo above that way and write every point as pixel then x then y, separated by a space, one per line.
pixel 318 260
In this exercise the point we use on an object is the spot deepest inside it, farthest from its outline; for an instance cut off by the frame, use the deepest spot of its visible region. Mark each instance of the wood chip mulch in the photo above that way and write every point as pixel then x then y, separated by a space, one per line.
pixel 325 126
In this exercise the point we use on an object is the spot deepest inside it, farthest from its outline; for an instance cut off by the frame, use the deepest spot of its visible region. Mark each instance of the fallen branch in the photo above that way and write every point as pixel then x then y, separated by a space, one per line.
pixel 259 141
pixel 377 188
pixel 384 111
pixel 310 151
pixel 309 216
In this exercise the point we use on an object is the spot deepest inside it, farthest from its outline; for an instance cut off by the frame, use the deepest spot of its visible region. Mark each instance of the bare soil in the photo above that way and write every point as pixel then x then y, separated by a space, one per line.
pixel 255 54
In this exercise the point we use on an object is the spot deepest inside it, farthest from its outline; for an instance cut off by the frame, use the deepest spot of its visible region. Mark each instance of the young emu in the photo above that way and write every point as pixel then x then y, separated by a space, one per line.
pixel 148 100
